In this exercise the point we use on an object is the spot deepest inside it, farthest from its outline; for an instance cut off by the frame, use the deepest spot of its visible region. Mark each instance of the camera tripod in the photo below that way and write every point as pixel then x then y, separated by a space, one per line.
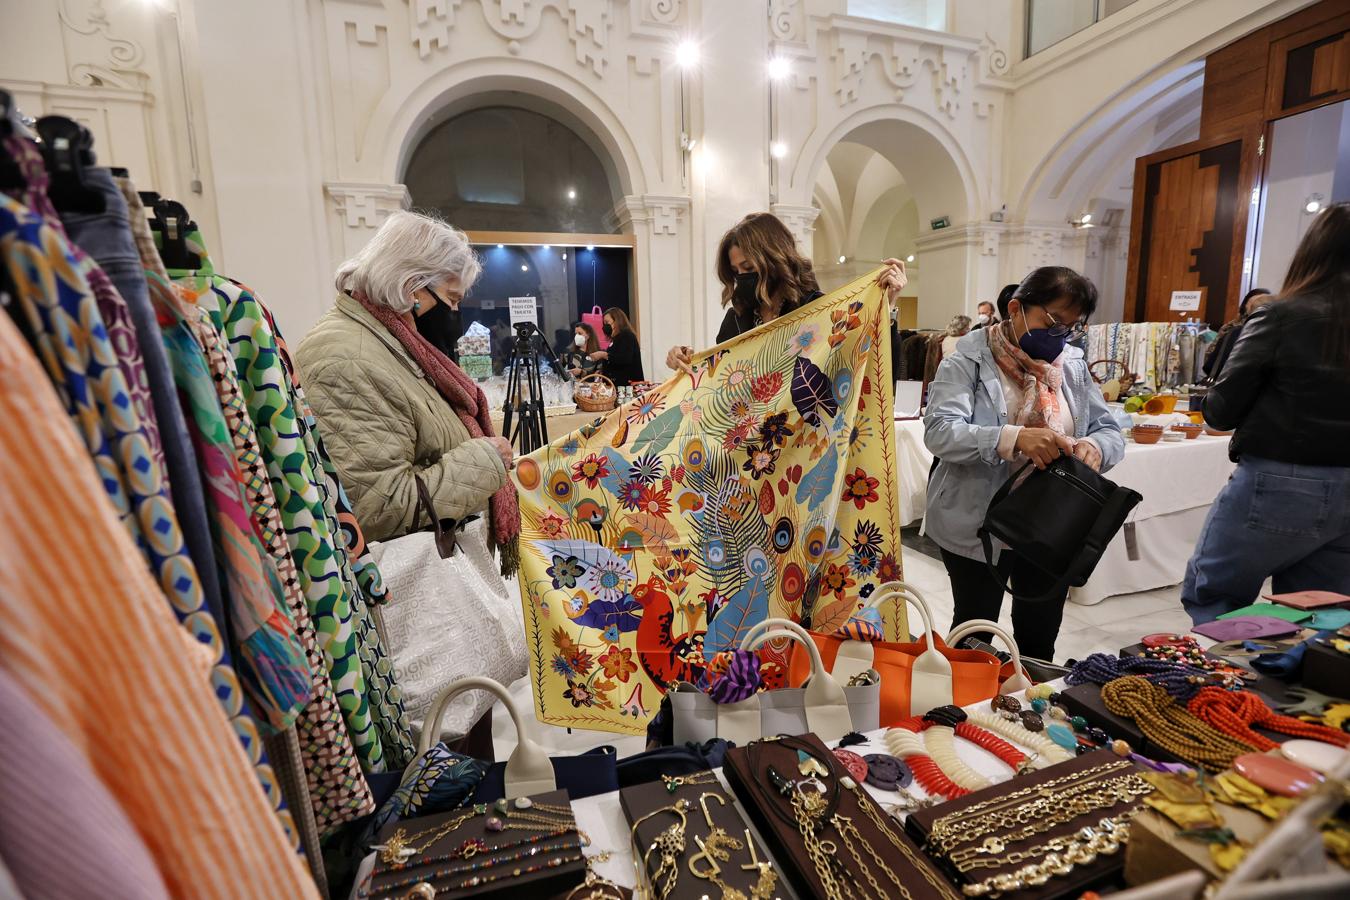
pixel 524 407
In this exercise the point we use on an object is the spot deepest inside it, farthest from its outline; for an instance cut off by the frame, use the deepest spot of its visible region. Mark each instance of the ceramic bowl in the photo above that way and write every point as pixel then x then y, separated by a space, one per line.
pixel 1191 431
pixel 1146 434
pixel 1160 404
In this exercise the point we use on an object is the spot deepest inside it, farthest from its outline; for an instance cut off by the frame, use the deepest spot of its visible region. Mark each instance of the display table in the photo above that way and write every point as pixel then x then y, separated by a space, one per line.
pixel 1179 482
pixel 557 423
pixel 912 462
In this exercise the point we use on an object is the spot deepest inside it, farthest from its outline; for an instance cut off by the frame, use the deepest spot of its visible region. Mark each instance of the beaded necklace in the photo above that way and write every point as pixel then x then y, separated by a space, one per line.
pixel 1234 712
pixel 527 851
pixel 1179 680
pixel 1170 726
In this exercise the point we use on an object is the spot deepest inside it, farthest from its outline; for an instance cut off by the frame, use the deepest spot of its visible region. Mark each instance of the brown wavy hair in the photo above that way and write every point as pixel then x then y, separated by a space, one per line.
pixel 592 342
pixel 1321 265
pixel 620 319
pixel 772 250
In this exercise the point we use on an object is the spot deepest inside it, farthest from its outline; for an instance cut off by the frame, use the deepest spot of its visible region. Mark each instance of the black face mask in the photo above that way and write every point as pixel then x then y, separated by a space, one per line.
pixel 609 330
pixel 745 291
pixel 440 325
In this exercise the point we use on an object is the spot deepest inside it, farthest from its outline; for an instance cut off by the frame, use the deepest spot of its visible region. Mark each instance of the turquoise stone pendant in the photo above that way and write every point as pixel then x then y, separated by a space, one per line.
pixel 1062 735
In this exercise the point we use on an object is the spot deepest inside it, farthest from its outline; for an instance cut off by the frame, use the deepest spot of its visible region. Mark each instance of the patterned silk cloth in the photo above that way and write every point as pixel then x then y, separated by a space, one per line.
pixel 59 307
pixel 762 486
pixel 309 501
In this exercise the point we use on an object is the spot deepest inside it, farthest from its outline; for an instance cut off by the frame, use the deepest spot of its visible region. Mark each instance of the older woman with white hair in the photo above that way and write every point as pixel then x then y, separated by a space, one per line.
pixel 393 408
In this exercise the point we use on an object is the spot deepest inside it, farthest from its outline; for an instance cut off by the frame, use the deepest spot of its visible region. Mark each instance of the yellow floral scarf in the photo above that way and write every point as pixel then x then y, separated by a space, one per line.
pixel 764 485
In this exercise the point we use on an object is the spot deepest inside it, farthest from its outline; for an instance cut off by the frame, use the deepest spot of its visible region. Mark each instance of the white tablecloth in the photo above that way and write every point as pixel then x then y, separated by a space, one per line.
pixel 1179 481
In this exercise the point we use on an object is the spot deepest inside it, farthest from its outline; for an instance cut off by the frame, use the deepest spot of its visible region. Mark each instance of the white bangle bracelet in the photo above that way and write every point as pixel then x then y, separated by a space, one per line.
pixel 941 743
pixel 1046 752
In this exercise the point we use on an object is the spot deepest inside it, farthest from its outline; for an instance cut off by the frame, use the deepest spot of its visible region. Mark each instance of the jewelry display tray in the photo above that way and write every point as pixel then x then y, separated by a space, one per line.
pixel 544 883
pixel 642 799
pixel 1104 870
pixel 782 835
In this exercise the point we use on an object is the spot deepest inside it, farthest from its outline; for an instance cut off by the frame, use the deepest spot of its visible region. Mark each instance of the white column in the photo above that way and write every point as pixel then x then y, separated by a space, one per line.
pixel 960 268
pixel 801 221
pixel 358 209
pixel 662 274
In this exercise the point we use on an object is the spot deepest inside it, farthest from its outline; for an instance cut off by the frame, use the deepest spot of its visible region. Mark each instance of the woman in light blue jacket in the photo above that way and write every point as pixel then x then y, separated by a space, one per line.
pixel 1012 393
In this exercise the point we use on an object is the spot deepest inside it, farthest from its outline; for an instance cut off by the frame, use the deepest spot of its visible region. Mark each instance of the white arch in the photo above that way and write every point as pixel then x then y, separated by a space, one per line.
pixel 401 120
pixel 949 185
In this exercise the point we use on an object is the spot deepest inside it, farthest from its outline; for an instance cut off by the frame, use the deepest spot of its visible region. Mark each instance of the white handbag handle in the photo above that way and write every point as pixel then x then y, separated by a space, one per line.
pixel 931 676
pixel 760 627
pixel 1019 680
pixel 785 628
pixel 826 705
pixel 528 771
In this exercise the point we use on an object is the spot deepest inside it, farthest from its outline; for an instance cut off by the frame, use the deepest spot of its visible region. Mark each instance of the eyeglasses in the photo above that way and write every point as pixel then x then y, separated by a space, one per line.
pixel 1058 329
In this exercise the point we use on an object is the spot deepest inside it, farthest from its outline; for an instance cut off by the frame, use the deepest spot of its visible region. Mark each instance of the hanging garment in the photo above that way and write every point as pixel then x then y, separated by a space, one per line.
pixel 337 609
pixel 121 332
pixel 51 799
pixel 338 792
pixel 764 485
pixel 185 482
pixel 132 693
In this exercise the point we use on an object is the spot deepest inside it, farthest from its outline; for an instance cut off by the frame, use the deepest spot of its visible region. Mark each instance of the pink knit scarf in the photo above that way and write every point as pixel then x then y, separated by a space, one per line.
pixel 467 400
pixel 1040 381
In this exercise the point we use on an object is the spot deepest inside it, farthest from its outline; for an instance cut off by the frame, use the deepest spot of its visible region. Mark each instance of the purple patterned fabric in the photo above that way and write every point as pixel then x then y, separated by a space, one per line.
pixel 741 679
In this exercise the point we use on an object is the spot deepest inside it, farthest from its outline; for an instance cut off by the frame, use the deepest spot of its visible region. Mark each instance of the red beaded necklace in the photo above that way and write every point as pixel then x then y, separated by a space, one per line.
pixel 1234 712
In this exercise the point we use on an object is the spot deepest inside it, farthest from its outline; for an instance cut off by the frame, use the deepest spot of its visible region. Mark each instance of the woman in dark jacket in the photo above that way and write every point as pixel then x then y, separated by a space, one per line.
pixel 1286 390
pixel 622 362
pixel 764 276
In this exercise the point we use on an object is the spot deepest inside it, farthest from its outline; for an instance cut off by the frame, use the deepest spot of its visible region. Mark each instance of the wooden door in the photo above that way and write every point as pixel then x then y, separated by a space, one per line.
pixel 1188 229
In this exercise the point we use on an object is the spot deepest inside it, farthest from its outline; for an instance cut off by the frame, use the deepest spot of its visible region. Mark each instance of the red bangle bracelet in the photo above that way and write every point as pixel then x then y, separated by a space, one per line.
pixel 986 740
pixel 926 771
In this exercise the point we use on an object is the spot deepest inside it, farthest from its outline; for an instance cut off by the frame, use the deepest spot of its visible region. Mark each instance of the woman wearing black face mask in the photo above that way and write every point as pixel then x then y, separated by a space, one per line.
pixel 622 362
pixel 1011 393
pixel 764 277
pixel 439 322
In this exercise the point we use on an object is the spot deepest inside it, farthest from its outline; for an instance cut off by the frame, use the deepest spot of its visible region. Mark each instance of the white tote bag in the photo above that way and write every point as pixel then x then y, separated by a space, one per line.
pixel 449 619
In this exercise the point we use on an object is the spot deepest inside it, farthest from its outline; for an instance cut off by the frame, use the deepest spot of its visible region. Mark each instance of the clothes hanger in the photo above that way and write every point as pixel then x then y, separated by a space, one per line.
pixel 172 221
pixel 68 150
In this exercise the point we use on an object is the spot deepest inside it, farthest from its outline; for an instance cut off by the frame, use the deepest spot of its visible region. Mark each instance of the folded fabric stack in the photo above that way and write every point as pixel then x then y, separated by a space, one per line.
pixel 476 366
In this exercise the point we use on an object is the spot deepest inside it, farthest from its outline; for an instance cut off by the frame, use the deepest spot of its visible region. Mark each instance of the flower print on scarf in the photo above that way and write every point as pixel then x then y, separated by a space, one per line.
pixel 565 571
pixel 618 663
pixel 551 525
pixel 761 461
pixel 645 469
pixel 863 560
pixel 591 470
pixel 630 494
pixel 775 431
pixel 888 570
pixel 736 437
pixel 764 388
pixel 611 634
pixel 867 534
pixel 576 606
pixel 737 377
pixel 581 661
pixel 606 579
pixel 655 502
pixel 740 411
pixel 647 408
pixel 860 488
pixel 563 641
pixel 836 580
pixel 562 665
pixel 579 694
pixel 560 487
pixel 805 338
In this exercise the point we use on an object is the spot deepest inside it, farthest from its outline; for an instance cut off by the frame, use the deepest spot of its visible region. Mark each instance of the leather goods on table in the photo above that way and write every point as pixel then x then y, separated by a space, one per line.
pixel 989 819
pixel 704 796
pixel 536 836
pixel 747 771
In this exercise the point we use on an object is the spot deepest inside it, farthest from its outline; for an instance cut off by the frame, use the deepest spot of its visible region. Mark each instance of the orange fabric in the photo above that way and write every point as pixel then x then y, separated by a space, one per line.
pixel 975 674
pixel 89 635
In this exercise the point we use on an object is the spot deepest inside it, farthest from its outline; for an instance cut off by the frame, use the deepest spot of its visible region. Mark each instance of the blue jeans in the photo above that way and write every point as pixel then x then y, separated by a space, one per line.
pixel 1272 519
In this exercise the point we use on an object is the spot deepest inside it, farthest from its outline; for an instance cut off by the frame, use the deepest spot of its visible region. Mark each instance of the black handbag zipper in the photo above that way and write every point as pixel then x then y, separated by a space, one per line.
pixel 1082 485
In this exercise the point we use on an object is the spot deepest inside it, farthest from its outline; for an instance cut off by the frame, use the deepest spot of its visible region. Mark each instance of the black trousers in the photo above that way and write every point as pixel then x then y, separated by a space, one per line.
pixel 979 596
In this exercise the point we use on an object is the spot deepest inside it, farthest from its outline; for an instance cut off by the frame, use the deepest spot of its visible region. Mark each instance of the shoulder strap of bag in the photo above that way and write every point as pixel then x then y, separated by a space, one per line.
pixel 528 771
pixel 445 540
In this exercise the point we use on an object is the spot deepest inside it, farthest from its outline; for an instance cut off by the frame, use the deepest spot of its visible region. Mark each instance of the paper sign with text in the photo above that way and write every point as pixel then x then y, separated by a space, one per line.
pixel 524 309
pixel 1185 301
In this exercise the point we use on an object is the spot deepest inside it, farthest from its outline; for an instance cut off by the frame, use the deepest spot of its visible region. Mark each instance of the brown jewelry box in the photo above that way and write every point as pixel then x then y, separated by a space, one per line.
pixel 543 883
pixel 752 787
pixel 1103 869
pixel 639 800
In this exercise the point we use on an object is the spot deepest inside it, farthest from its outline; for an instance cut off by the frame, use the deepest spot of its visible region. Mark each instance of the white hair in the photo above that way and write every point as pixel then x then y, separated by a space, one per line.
pixel 410 251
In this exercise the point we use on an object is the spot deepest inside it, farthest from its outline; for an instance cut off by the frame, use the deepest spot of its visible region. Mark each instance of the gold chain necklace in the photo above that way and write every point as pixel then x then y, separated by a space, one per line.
pixel 399 846
pixel 849 834
pixel 1043 788
pixel 671 844
pixel 1081 848
pixel 939 885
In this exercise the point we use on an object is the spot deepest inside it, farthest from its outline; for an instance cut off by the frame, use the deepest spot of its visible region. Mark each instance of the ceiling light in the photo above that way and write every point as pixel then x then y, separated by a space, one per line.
pixel 590 246
pixel 524 268
pixel 571 193
pixel 843 259
pixel 686 55
pixel 1314 205
pixel 778 149
pixel 548 246
pixel 909 258
pixel 780 67
pixel 564 255
pixel 501 246
pixel 1085 218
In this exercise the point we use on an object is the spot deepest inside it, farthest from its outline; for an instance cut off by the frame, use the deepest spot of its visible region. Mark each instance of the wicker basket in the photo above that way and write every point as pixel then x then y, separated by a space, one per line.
pixel 1126 377
pixel 595 393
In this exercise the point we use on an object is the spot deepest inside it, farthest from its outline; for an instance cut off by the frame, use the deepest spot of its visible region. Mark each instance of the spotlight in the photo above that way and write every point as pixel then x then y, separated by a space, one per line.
pixel 843 259
pixel 686 55
pixel 1086 218
pixel 1314 205
pixel 548 246
pixel 780 67
pixel 501 246
pixel 590 247
pixel 524 268
pixel 909 258
pixel 571 193
pixel 778 149
pixel 564 255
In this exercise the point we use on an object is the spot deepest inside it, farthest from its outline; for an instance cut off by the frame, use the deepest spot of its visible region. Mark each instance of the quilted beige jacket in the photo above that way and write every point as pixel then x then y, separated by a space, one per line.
pixel 383 423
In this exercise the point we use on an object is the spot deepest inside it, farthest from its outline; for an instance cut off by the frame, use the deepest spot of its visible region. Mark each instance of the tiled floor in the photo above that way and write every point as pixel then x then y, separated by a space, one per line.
pixel 1105 628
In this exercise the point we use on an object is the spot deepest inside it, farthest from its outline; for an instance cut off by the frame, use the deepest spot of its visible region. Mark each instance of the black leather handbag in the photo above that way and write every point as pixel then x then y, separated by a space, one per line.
pixel 1060 519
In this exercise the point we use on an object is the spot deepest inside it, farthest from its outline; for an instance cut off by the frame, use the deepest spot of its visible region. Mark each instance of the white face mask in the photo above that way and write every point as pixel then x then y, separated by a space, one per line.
pixel 982 318
pixel 579 340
